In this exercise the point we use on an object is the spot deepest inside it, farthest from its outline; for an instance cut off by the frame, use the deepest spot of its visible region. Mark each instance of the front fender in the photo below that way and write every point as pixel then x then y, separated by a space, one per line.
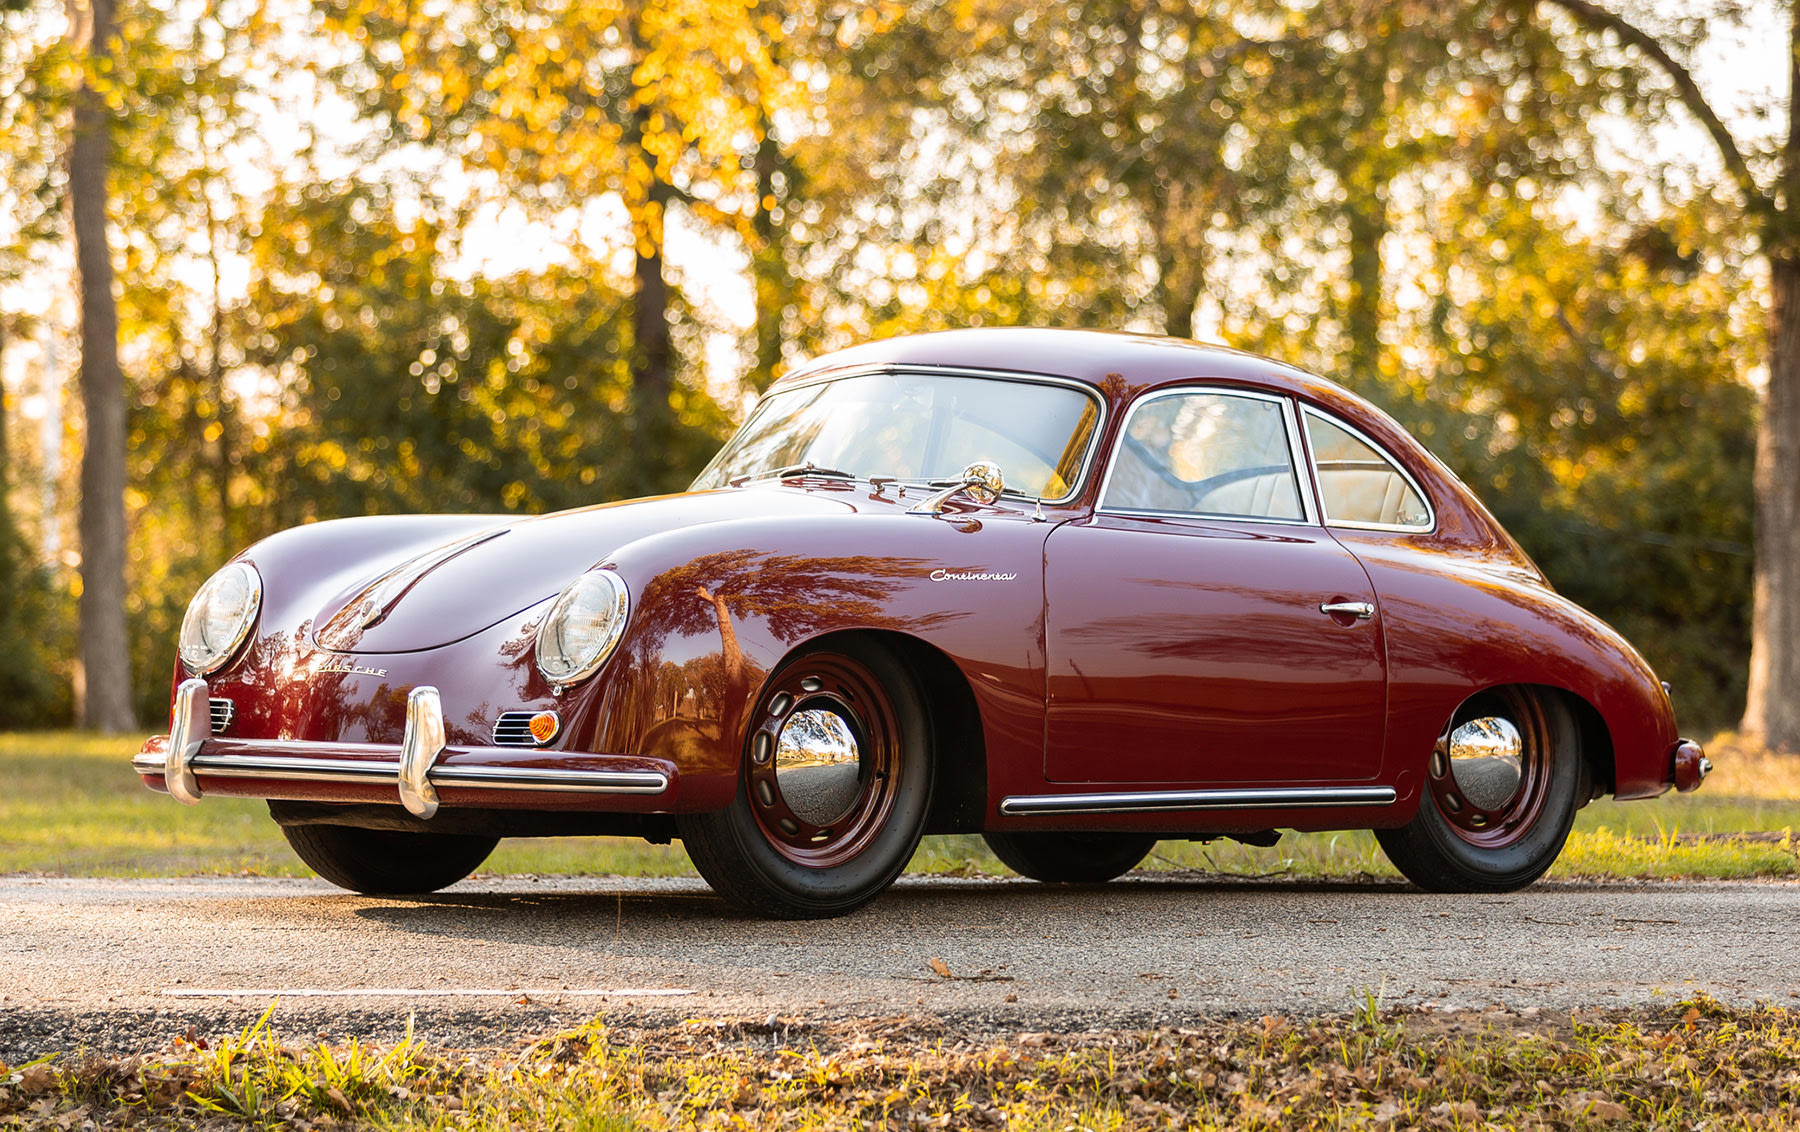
pixel 716 608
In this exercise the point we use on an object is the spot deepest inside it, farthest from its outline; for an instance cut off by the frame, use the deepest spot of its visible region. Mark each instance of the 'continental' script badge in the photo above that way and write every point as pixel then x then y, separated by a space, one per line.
pixel 969 576
pixel 350 669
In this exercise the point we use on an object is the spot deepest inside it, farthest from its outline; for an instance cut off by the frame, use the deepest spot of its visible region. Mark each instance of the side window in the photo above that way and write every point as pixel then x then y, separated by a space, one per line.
pixel 1206 453
pixel 1359 485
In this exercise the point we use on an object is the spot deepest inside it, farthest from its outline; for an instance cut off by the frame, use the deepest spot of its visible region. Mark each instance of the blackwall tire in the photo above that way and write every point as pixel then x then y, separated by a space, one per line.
pixel 1070 858
pixel 387 862
pixel 782 854
pixel 1455 843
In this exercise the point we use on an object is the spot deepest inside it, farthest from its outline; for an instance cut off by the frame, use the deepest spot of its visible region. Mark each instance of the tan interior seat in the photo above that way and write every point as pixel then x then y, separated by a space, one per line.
pixel 1363 495
pixel 1269 496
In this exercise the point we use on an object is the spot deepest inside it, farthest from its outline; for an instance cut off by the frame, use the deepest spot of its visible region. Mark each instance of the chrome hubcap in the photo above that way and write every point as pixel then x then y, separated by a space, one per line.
pixel 818 766
pixel 1485 761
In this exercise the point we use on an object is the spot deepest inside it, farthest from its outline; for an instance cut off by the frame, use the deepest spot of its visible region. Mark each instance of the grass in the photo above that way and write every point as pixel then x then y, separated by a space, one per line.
pixel 73 807
pixel 1696 1064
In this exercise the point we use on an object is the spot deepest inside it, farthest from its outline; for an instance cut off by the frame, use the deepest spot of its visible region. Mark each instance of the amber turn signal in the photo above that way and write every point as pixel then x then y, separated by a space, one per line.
pixel 544 726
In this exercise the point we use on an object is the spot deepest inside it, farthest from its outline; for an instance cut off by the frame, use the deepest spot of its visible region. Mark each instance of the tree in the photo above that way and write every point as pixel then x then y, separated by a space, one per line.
pixel 1614 439
pixel 103 681
pixel 1769 193
pixel 660 104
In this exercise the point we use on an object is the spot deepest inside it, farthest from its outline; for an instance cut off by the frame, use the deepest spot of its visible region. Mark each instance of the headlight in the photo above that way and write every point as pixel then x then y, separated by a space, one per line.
pixel 219 617
pixel 582 628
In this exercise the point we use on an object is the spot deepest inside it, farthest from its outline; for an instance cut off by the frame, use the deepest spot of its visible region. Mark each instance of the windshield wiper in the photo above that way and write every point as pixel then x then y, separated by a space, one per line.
pixel 811 469
pixel 791 472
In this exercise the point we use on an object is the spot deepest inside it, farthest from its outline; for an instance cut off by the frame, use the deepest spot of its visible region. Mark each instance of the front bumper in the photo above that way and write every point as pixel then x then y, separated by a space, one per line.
pixel 423 773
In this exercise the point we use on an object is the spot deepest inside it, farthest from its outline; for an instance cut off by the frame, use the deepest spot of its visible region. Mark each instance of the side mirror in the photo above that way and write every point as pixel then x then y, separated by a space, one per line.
pixel 982 480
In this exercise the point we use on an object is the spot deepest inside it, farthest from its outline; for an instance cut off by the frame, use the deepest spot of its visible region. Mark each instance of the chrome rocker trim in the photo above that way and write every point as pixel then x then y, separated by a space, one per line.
pixel 413 774
pixel 1160 801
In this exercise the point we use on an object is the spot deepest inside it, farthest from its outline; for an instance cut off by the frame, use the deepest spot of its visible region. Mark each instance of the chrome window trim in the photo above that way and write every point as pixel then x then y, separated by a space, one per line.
pixel 921 370
pixel 1381 450
pixel 1303 486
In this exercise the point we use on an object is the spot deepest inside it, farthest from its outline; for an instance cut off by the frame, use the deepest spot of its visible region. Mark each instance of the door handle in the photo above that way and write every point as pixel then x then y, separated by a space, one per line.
pixel 1361 610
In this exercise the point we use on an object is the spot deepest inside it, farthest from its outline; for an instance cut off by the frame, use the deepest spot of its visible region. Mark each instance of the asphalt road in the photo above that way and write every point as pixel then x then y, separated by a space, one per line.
pixel 100 961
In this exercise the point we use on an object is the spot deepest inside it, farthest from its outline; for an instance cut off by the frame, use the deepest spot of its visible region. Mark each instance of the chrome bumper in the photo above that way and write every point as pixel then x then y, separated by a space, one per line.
pixel 415 774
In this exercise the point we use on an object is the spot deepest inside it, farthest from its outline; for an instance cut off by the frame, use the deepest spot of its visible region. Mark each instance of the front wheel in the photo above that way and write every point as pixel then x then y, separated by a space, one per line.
pixel 833 792
pixel 1070 858
pixel 386 861
pixel 1501 791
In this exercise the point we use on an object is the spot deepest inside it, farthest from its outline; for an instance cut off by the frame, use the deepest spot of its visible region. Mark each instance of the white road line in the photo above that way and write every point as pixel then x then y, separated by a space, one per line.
pixel 416 992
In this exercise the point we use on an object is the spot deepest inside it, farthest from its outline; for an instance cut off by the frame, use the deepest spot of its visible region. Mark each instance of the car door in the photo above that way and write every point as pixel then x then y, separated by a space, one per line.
pixel 1202 626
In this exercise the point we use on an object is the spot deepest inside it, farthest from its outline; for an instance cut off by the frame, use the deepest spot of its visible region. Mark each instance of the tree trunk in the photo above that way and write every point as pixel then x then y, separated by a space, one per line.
pixel 652 355
pixel 1366 214
pixel 5 466
pixel 1772 705
pixel 652 421
pixel 215 379
pixel 768 260
pixel 103 676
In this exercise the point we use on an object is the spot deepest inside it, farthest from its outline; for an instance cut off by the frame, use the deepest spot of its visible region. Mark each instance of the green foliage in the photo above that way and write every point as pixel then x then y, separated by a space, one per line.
pixel 409 391
pixel 35 632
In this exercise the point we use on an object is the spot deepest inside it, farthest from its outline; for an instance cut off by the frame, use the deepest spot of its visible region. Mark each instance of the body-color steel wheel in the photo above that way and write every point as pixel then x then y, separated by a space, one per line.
pixel 824 761
pixel 834 790
pixel 1501 789
pixel 1490 773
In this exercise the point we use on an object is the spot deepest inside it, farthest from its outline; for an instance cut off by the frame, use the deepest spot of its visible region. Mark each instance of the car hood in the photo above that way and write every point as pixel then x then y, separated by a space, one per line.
pixel 438 591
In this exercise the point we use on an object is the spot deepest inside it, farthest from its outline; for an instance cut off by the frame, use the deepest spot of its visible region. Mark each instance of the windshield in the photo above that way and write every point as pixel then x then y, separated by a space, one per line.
pixel 919 427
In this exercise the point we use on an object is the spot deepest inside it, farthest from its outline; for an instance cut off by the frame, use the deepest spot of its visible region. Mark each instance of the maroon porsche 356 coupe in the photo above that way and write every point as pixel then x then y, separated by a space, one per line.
pixel 1073 591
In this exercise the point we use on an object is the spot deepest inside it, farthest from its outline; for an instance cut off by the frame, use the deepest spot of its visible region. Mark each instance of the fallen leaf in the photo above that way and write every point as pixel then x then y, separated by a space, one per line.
pixel 37 1079
pixel 1692 1015
pixel 940 967
pixel 336 1096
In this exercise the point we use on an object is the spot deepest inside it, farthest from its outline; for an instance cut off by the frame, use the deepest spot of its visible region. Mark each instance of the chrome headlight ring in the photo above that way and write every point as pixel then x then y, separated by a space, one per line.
pixel 220 617
pixel 583 627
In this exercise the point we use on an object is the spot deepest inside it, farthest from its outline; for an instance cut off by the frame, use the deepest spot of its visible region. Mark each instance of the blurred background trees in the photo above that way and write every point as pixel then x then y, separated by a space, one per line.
pixel 502 256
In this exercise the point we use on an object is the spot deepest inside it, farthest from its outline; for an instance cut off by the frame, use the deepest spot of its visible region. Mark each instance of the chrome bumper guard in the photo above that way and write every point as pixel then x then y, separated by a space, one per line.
pixel 414 775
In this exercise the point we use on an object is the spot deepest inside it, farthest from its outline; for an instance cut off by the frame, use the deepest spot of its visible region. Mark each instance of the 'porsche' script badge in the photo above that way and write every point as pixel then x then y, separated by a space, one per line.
pixel 348 668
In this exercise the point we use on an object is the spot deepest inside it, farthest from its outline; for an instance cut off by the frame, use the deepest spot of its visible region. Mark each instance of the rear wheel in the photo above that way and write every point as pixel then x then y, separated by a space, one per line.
pixel 1070 858
pixel 833 793
pixel 387 861
pixel 1501 792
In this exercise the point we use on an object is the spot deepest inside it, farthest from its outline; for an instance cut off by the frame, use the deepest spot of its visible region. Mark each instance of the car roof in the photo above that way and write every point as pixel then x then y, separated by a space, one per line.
pixel 1118 363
